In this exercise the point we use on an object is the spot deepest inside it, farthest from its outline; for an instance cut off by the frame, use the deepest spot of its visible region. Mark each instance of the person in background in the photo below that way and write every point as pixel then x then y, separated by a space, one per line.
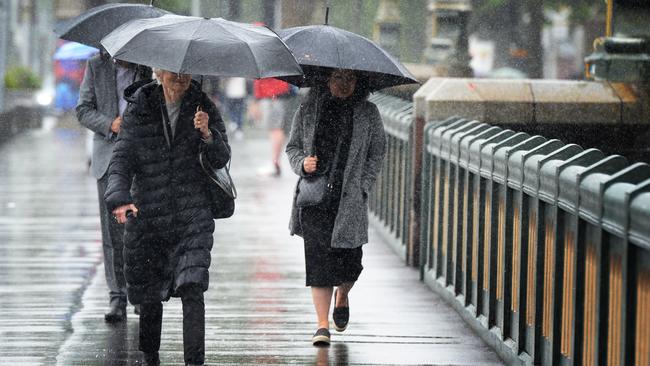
pixel 271 94
pixel 235 95
pixel 100 108
pixel 336 130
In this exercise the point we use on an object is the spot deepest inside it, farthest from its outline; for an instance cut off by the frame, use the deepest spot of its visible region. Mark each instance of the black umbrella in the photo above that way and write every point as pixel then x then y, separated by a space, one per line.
pixel 319 49
pixel 204 46
pixel 93 25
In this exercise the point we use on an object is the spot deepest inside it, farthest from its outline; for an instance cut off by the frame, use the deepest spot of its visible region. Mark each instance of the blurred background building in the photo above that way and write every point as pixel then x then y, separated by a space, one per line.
pixel 481 38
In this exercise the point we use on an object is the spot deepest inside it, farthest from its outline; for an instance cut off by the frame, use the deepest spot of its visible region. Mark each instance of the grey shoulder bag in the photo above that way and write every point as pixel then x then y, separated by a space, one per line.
pixel 314 189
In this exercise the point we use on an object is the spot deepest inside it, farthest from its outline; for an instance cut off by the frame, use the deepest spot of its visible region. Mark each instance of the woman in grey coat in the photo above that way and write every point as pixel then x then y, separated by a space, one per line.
pixel 336 128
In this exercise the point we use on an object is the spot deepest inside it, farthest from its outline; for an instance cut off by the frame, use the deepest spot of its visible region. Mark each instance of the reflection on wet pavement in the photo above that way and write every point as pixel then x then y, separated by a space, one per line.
pixel 258 310
pixel 49 242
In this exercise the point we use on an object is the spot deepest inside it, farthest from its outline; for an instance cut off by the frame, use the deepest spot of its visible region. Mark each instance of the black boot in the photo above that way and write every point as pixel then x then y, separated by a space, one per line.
pixel 151 359
pixel 117 312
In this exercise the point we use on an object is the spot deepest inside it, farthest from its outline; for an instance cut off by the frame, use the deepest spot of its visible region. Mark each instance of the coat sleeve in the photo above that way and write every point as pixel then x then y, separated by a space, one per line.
pixel 86 109
pixel 295 150
pixel 218 151
pixel 121 168
pixel 376 151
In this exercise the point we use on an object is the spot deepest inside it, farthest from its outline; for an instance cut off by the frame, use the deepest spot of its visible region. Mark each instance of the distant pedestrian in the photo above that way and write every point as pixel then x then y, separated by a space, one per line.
pixel 272 97
pixel 100 108
pixel 155 174
pixel 336 128
pixel 235 93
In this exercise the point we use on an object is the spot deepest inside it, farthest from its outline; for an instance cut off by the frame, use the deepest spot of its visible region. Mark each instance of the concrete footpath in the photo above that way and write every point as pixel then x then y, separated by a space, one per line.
pixel 258 311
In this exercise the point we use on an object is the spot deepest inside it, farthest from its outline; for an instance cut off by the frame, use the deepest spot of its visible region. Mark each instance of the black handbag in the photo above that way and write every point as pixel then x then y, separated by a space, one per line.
pixel 220 187
pixel 314 189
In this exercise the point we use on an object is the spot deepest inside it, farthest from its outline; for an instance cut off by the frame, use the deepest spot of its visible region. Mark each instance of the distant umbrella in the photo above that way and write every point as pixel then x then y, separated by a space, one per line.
pixel 203 46
pixel 93 25
pixel 319 49
pixel 74 51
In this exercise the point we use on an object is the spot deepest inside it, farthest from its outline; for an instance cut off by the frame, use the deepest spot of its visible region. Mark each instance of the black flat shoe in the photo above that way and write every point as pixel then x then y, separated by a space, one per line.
pixel 321 337
pixel 151 359
pixel 116 314
pixel 340 315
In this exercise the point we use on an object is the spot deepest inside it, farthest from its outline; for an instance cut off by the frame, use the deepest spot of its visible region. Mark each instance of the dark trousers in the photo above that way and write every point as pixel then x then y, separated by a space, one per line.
pixel 113 246
pixel 193 325
pixel 235 109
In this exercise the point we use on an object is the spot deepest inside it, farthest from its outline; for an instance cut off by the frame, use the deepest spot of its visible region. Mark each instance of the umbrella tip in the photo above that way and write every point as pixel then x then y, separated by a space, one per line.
pixel 327 15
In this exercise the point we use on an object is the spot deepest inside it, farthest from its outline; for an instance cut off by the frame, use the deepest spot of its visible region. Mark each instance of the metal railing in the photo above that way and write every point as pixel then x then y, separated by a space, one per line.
pixel 543 247
pixel 388 202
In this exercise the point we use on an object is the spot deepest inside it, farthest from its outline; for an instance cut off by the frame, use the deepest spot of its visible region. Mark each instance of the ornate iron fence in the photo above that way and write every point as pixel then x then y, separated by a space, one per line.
pixel 536 243
pixel 389 201
pixel 542 247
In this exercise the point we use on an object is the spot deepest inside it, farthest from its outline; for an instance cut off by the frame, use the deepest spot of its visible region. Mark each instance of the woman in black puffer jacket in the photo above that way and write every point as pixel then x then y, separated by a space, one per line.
pixel 155 175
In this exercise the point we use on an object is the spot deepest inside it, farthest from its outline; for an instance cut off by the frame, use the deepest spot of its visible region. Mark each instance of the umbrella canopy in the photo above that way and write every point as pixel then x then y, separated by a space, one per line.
pixel 74 51
pixel 320 49
pixel 205 46
pixel 93 25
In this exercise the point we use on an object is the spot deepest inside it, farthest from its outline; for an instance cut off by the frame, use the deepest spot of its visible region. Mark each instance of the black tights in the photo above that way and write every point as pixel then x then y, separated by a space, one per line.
pixel 193 325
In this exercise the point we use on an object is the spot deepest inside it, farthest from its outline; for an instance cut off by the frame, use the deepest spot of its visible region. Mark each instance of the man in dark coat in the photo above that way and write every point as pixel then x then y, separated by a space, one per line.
pixel 155 175
pixel 100 108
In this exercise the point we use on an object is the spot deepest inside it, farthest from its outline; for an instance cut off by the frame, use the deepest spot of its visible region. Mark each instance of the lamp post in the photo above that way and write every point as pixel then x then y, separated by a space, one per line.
pixel 449 44
pixel 387 29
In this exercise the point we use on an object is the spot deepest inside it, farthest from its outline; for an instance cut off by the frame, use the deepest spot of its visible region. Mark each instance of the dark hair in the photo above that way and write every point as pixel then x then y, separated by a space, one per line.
pixel 321 91
pixel 362 88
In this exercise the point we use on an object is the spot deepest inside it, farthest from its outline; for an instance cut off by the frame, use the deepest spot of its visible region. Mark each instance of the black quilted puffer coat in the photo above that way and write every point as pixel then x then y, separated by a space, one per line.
pixel 168 244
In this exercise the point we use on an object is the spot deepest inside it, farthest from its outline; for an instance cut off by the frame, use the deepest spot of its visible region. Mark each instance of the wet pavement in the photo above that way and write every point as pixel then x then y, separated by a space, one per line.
pixel 258 311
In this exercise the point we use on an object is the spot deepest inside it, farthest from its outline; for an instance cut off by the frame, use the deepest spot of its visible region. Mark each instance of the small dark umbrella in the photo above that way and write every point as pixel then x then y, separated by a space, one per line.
pixel 203 46
pixel 319 49
pixel 93 25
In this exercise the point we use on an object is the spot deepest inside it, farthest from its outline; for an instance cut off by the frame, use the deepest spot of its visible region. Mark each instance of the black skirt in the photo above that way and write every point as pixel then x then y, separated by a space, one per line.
pixel 326 266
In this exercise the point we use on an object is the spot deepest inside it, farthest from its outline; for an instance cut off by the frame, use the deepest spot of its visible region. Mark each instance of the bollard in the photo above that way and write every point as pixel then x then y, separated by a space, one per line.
pixel 615 221
pixel 477 192
pixel 429 162
pixel 489 200
pixel 436 200
pixel 448 175
pixel 508 218
pixel 525 321
pixel 639 236
pixel 566 229
pixel 465 186
pixel 459 252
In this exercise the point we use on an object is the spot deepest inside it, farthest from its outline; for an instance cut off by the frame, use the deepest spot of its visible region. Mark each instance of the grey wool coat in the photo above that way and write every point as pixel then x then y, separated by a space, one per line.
pixel 97 107
pixel 367 149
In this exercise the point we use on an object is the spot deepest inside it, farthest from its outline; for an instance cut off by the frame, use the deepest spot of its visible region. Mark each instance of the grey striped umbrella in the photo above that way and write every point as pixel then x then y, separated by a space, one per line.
pixel 202 46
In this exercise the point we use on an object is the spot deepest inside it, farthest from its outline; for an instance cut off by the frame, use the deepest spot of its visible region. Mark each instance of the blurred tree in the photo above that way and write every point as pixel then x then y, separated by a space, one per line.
pixel 175 6
pixel 581 10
